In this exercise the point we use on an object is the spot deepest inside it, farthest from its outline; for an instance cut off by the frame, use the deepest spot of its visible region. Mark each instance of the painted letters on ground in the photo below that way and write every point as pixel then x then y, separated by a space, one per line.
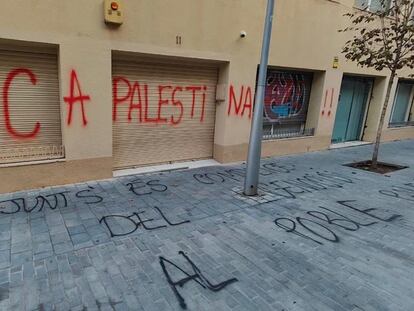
pixel 196 275
pixel 51 201
pixel 120 225
pixel 283 188
pixel 403 192
pixel 237 174
pixel 321 224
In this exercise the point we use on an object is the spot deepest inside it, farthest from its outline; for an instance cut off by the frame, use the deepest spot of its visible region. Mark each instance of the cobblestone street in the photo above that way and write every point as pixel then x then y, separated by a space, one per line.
pixel 321 236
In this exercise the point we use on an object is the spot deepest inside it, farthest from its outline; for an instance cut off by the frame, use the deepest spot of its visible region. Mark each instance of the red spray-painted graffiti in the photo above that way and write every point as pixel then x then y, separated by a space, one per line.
pixel 137 97
pixel 245 101
pixel 72 99
pixel 331 91
pixel 6 108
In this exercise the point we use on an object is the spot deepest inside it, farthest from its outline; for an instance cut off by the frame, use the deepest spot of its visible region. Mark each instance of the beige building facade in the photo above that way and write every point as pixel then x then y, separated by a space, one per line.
pixel 82 98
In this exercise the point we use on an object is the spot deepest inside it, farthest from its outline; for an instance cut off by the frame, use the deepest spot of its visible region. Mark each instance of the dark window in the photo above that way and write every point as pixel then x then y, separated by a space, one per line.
pixel 403 103
pixel 375 6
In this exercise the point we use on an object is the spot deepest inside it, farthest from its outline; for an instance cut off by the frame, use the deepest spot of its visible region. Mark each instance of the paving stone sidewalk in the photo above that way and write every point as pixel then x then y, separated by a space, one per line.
pixel 320 236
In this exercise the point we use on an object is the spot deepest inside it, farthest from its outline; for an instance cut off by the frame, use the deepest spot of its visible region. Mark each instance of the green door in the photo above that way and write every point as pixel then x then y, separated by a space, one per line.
pixel 351 109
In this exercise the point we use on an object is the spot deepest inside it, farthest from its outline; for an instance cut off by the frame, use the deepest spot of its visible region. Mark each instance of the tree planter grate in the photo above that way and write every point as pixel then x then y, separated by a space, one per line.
pixel 382 167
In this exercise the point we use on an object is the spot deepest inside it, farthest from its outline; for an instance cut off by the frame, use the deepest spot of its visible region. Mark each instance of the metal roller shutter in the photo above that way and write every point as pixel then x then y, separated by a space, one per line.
pixel 178 134
pixel 32 97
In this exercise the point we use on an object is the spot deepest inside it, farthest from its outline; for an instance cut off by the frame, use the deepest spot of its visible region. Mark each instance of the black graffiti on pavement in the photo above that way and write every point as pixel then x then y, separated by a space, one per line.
pixel 273 167
pixel 219 177
pixel 404 192
pixel 196 275
pixel 237 174
pixel 319 226
pixel 140 187
pixel 51 201
pixel 290 188
pixel 135 220
pixel 88 194
pixel 308 183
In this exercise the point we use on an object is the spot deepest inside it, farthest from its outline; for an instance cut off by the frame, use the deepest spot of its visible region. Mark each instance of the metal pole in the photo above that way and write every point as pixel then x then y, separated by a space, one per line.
pixel 256 133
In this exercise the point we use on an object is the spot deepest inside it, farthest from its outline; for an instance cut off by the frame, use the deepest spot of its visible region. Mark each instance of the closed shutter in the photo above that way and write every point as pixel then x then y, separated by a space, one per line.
pixel 144 133
pixel 30 90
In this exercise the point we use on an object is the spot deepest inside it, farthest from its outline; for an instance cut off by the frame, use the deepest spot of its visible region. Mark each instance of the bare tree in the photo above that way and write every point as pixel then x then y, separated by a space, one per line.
pixel 383 38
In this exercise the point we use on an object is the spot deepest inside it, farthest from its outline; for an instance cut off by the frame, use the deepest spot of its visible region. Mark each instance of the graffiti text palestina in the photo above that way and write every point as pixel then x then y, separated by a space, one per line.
pixel 172 103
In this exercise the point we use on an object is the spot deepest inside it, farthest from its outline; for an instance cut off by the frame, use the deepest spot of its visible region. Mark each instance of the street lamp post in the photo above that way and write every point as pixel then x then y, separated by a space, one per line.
pixel 256 133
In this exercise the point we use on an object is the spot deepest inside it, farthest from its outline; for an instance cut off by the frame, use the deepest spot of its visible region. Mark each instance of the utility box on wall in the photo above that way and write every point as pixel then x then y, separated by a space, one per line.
pixel 113 12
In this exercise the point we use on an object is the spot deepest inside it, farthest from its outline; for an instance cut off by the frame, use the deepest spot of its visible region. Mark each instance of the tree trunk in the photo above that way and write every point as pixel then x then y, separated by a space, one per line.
pixel 374 163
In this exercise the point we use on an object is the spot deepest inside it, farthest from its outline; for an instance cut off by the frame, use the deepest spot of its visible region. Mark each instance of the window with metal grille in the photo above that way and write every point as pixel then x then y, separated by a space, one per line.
pixel 286 103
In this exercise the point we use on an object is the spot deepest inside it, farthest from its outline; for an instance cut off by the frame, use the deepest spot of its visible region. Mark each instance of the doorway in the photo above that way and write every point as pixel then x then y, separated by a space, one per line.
pixel 352 108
